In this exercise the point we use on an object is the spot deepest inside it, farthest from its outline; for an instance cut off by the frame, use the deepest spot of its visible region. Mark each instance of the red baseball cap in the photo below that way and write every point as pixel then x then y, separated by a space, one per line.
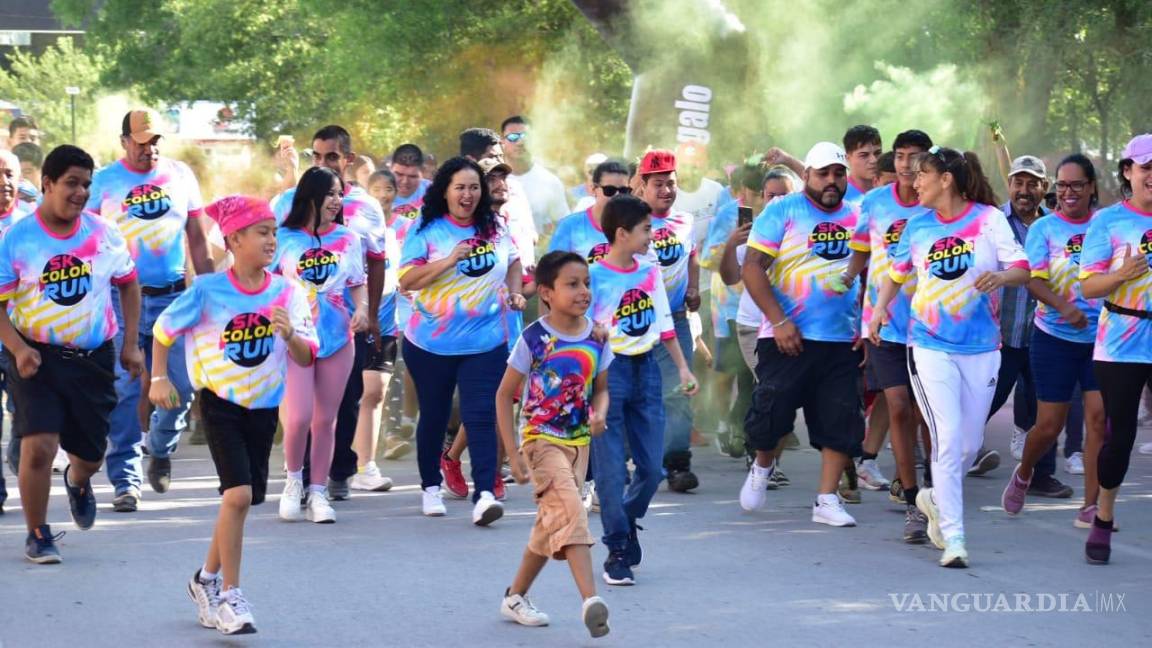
pixel 657 161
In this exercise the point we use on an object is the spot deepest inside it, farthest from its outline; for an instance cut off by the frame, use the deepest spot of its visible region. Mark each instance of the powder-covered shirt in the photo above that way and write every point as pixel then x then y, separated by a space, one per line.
pixel 1053 247
pixel 725 299
pixel 323 269
pixel 232 347
pixel 1112 231
pixel 59 287
pixel 362 214
pixel 18 210
pixel 633 304
pixel 463 311
pixel 948 313
pixel 883 218
pixel 580 233
pixel 152 210
pixel 406 211
pixel 560 370
pixel 855 193
pixel 809 247
pixel 671 248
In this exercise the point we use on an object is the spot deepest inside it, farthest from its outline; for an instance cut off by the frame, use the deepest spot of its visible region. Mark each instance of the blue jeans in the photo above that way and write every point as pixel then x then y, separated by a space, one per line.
pixel 124 439
pixel 636 422
pixel 677 405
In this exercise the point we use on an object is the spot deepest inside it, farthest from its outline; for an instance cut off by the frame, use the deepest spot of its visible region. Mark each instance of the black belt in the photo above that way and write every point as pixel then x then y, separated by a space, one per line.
pixel 67 353
pixel 1120 310
pixel 159 291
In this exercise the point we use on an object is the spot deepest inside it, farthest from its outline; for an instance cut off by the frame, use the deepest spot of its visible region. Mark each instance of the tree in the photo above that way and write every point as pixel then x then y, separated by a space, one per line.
pixel 37 83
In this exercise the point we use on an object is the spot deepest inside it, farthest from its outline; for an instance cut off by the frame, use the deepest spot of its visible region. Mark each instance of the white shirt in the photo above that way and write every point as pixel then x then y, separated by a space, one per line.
pixel 702 204
pixel 546 195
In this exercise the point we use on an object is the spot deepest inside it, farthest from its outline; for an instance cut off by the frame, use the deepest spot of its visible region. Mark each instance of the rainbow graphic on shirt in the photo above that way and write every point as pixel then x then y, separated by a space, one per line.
pixel 1054 246
pixel 232 347
pixel 1111 233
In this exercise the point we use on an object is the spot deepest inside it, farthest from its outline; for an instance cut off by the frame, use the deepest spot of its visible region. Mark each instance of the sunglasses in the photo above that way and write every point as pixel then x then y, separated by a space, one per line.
pixel 515 137
pixel 610 191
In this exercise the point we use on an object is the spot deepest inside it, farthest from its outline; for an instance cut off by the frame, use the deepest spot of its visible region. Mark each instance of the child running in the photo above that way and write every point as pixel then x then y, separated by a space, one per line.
pixel 566 406
pixel 244 325
pixel 321 257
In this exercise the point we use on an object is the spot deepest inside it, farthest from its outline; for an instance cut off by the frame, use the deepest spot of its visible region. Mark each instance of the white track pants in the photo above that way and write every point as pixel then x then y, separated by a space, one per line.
pixel 955 393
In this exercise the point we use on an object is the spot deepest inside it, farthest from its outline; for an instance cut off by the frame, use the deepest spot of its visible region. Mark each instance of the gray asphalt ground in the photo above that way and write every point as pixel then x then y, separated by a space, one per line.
pixel 712 574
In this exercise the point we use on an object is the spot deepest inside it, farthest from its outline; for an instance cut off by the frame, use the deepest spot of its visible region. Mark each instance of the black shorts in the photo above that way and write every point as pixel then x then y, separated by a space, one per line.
pixel 240 440
pixel 70 395
pixel 369 359
pixel 823 381
pixel 887 366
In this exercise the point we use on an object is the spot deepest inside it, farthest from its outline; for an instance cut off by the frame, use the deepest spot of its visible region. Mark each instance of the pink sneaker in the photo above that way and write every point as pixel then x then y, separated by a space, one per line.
pixel 453 473
pixel 1085 516
pixel 1013 498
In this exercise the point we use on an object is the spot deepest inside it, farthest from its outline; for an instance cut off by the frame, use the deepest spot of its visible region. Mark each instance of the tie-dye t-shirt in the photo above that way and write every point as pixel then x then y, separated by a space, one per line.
pixel 725 299
pixel 1121 338
pixel 882 219
pixel 15 213
pixel 948 313
pixel 560 371
pixel 322 269
pixel 59 288
pixel 406 211
pixel 1053 247
pixel 855 193
pixel 580 233
pixel 152 210
pixel 391 299
pixel 232 347
pixel 672 246
pixel 633 304
pixel 362 214
pixel 809 247
pixel 464 310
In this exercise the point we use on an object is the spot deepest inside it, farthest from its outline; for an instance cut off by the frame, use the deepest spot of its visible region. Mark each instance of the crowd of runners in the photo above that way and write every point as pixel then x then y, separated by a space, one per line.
pixel 556 335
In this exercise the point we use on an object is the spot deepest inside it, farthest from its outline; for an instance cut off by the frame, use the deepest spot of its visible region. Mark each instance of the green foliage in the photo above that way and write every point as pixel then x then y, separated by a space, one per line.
pixel 37 84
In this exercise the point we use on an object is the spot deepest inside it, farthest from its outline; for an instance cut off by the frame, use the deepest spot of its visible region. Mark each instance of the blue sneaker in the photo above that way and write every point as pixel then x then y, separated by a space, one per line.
pixel 82 502
pixel 634 552
pixel 40 546
pixel 616 569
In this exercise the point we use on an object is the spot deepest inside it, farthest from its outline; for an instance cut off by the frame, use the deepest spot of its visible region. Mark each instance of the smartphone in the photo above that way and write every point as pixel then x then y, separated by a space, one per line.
pixel 744 217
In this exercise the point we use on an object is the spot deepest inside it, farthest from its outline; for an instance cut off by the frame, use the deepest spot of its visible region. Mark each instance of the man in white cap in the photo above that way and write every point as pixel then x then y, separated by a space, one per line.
pixel 583 194
pixel 797 249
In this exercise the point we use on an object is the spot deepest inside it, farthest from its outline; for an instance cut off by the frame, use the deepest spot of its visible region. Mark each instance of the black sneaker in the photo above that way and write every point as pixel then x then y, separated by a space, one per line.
pixel 986 460
pixel 1049 487
pixel 778 478
pixel 634 551
pixel 616 569
pixel 82 501
pixel 160 473
pixel 338 490
pixel 682 481
pixel 40 546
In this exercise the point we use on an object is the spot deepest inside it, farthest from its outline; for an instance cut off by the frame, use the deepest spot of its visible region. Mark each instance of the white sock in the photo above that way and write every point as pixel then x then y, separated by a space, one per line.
pixel 298 475
pixel 232 593
pixel 207 576
pixel 763 472
pixel 316 488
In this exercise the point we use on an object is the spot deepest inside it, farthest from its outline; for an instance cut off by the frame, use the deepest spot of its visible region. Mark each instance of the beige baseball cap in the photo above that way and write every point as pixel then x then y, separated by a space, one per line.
pixel 141 125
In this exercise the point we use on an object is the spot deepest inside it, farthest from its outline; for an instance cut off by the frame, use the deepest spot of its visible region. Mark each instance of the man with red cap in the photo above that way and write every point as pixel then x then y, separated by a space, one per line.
pixel 673 250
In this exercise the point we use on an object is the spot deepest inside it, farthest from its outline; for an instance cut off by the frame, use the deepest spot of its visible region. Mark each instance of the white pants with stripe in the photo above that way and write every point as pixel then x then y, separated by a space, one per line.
pixel 955 393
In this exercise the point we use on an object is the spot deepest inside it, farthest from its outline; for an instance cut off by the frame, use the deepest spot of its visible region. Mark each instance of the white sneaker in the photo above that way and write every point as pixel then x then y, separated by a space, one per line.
pixel 206 596
pixel 754 493
pixel 319 509
pixel 1145 449
pixel 234 615
pixel 519 609
pixel 60 461
pixel 434 502
pixel 370 480
pixel 927 505
pixel 829 510
pixel 955 554
pixel 1018 438
pixel 487 509
pixel 1074 465
pixel 870 477
pixel 290 508
pixel 590 498
pixel 595 614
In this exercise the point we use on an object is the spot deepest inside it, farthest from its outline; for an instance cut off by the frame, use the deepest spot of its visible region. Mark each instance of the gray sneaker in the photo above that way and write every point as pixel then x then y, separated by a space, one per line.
pixel 127 501
pixel 338 489
pixel 915 526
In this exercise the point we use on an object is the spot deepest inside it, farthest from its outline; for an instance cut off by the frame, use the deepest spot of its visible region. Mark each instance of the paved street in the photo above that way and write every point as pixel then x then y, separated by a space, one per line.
pixel 712 575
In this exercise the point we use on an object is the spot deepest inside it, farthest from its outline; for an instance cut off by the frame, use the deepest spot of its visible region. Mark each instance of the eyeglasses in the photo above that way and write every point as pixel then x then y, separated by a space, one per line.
pixel 327 157
pixel 1074 187
pixel 515 137
pixel 610 190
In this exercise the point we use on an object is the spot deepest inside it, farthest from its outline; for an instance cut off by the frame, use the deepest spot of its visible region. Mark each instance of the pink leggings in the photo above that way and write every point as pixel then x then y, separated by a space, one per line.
pixel 312 398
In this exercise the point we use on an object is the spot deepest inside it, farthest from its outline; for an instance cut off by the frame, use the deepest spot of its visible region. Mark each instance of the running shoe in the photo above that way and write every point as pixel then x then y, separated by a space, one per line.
pixel 433 502
pixel 160 473
pixel 59 462
pixel 955 553
pixel 986 460
pixel 1012 499
pixel 500 490
pixel 370 480
pixel 338 490
pixel 1086 515
pixel 927 505
pixel 616 569
pixel 828 510
pixel 291 510
pixel 518 608
pixel 206 596
pixel 453 473
pixel 319 509
pixel 634 551
pixel 682 481
pixel 595 614
pixel 81 501
pixel 234 614
pixel 870 476
pixel 1019 437
pixel 1074 465
pixel 487 509
pixel 1098 548
pixel 590 498
pixel 396 447
pixel 40 546
pixel 896 491
pixel 1048 486
pixel 754 492
pixel 1144 449
pixel 127 501
pixel 915 526
pixel 849 487
pixel 779 478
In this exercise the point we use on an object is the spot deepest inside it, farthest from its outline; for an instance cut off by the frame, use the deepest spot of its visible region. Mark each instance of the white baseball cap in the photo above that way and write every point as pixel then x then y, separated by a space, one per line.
pixel 825 154
pixel 595 160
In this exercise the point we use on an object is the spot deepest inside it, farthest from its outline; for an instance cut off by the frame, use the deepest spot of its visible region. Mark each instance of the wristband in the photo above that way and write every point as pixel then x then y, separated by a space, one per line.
pixel 159 379
pixel 781 322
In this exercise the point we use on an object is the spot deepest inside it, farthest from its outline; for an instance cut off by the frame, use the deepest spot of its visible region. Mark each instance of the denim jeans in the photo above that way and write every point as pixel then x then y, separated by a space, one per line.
pixel 125 438
pixel 677 405
pixel 635 422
